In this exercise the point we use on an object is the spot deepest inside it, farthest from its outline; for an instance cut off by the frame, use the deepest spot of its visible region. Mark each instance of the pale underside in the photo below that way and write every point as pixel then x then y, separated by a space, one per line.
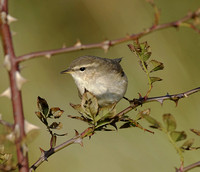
pixel 108 88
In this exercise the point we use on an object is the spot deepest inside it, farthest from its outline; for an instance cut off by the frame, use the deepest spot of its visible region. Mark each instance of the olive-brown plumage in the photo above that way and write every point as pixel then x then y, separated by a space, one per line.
pixel 103 77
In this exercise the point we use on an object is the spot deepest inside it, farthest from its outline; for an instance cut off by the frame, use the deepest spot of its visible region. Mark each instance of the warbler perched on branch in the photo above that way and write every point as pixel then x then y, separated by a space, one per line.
pixel 103 77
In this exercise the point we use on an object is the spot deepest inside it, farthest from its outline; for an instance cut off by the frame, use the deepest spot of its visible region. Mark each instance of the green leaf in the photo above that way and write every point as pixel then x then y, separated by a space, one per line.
pixel 90 104
pixel 178 135
pixel 157 68
pixel 101 123
pixel 143 47
pixel 78 108
pixel 187 145
pixel 157 65
pixel 154 79
pixel 169 122
pixel 43 105
pixel 151 120
pixel 146 56
pixel 106 112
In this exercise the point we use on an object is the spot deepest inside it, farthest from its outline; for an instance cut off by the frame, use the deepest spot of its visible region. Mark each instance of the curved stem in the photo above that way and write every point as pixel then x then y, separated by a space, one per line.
pixel 176 147
pixel 191 166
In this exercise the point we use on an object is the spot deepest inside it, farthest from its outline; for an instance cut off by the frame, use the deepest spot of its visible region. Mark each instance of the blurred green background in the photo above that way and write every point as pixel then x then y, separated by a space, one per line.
pixel 44 25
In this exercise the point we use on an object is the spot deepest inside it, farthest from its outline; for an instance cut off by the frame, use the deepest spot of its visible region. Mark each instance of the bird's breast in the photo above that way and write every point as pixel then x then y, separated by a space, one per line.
pixel 108 88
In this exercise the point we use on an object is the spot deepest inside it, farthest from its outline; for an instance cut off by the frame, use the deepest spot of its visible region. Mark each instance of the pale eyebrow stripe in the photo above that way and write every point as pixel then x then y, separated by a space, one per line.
pixel 86 66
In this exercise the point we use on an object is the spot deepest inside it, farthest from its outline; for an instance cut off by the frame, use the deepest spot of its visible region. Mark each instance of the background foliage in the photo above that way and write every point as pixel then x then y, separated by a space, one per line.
pixel 47 25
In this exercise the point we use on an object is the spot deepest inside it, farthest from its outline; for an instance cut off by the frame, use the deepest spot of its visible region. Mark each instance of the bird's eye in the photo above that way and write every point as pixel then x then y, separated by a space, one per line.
pixel 82 68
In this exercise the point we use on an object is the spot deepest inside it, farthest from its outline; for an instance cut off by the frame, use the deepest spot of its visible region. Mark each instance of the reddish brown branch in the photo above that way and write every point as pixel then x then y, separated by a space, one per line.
pixel 16 97
pixel 107 44
pixel 174 97
pixel 189 167
pixel 192 26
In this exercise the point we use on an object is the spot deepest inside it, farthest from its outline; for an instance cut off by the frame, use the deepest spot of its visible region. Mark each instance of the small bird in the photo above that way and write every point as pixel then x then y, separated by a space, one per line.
pixel 103 77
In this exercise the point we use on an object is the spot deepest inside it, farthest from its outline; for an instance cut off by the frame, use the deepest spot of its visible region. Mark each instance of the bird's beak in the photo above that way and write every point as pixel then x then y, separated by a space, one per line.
pixel 66 71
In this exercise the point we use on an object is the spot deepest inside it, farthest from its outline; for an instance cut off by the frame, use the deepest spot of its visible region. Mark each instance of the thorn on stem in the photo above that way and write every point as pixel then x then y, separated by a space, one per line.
pixel 79 141
pixel 76 133
pixel 105 45
pixel 48 56
pixel 78 43
pixel 19 80
pixel 64 45
pixel 7 63
pixel 11 19
pixel 6 93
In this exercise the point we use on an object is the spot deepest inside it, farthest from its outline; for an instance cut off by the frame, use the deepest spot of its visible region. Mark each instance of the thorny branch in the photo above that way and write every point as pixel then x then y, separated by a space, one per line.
pixel 13 71
pixel 89 131
pixel 137 102
pixel 76 139
pixel 16 97
pixel 105 45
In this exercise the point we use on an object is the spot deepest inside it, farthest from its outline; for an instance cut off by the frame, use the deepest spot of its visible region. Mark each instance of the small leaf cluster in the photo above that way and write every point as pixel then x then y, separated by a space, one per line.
pixel 101 117
pixel 6 163
pixel 169 127
pixel 91 113
pixel 45 114
pixel 134 123
pixel 143 52
pixel 3 156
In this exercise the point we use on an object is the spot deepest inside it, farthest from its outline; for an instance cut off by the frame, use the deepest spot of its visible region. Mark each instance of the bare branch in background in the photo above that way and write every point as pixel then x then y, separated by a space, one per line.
pixel 105 45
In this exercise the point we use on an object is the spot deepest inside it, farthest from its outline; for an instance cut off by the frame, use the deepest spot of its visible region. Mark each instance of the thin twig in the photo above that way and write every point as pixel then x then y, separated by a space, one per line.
pixel 7 124
pixel 108 43
pixel 76 139
pixel 46 154
pixel 174 97
pixel 189 167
